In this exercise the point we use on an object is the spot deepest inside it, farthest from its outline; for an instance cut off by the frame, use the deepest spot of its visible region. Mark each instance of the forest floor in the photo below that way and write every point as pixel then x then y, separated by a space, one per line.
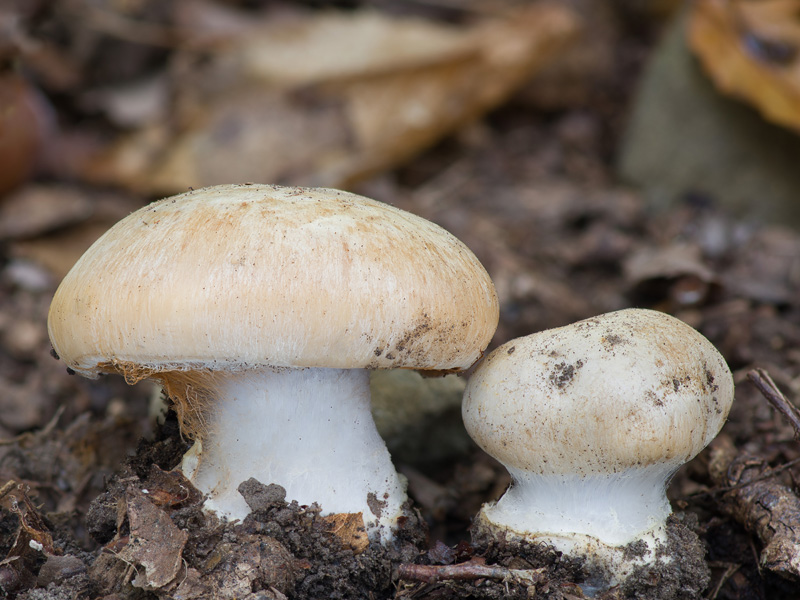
pixel 90 506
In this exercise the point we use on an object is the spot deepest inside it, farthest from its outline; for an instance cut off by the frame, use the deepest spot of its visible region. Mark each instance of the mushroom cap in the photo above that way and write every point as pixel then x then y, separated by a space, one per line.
pixel 238 276
pixel 624 390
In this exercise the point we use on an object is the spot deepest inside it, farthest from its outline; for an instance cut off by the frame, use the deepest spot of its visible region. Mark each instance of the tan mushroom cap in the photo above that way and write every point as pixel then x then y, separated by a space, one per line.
pixel 620 391
pixel 236 276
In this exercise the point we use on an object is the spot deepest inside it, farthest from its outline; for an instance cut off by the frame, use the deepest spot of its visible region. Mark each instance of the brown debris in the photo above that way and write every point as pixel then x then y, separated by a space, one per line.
pixel 37 209
pixel 770 391
pixel 349 528
pixel 475 568
pixel 404 85
pixel 531 191
pixel 753 496
pixel 751 50
pixel 23 118
pixel 155 543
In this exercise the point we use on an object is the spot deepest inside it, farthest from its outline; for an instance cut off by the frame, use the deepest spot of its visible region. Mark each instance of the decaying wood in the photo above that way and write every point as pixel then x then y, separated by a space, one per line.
pixel 467 571
pixel 754 497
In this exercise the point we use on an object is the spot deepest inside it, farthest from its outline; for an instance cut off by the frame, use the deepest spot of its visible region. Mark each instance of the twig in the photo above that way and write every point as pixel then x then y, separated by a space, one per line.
pixel 767 473
pixel 467 571
pixel 7 487
pixel 774 396
pixel 730 569
pixel 47 430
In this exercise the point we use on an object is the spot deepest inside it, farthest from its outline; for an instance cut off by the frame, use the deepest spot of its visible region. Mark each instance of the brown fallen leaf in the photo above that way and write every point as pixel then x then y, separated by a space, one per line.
pixel 155 543
pixel 39 209
pixel 308 50
pixel 33 532
pixel 57 252
pixel 675 274
pixel 57 247
pixel 295 106
pixel 169 488
pixel 349 528
pixel 751 51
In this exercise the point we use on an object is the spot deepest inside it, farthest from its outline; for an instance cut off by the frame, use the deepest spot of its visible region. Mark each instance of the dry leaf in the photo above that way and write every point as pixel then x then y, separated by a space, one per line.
pixel 349 528
pixel 58 250
pixel 39 209
pixel 132 104
pixel 668 262
pixel 675 273
pixel 298 105
pixel 751 50
pixel 169 488
pixel 33 532
pixel 155 543
pixel 311 50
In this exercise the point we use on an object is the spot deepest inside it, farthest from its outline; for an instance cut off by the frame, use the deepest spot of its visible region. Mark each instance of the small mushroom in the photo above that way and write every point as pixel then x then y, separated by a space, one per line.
pixel 592 420
pixel 260 310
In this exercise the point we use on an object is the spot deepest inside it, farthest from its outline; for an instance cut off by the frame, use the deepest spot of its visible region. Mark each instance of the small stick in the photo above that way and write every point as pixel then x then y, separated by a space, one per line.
pixel 47 430
pixel 730 569
pixel 467 571
pixel 7 487
pixel 774 396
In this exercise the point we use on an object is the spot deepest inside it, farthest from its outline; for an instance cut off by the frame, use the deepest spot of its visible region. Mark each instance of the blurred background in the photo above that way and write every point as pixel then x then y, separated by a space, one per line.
pixel 594 156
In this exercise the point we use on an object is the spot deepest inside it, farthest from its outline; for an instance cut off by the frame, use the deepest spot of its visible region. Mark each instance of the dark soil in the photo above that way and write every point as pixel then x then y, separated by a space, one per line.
pixel 90 507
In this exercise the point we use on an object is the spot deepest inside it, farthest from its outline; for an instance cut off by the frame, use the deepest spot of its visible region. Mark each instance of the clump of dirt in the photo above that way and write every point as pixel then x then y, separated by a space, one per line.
pixel 679 571
pixel 157 542
pixel 157 539
pixel 492 569
pixel 327 566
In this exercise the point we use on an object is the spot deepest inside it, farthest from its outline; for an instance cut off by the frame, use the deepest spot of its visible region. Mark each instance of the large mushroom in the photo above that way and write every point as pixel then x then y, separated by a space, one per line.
pixel 592 420
pixel 260 309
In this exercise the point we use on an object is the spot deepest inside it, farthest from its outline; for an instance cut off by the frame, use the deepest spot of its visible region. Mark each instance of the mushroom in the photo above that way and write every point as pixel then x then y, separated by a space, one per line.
pixel 592 420
pixel 260 310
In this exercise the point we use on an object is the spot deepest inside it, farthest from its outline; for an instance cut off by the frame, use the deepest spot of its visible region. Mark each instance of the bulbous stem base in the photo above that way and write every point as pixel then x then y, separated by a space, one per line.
pixel 616 521
pixel 308 430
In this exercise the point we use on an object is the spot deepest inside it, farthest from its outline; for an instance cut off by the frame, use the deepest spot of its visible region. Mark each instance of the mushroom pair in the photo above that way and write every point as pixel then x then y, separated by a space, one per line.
pixel 260 309
pixel 592 420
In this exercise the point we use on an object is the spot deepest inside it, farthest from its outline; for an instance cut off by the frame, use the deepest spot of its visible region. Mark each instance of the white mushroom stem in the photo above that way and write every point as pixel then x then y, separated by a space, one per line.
pixel 309 430
pixel 614 508
pixel 594 516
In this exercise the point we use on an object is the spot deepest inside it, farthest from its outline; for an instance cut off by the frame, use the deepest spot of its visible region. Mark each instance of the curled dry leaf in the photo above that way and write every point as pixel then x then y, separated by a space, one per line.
pixel 296 106
pixel 33 532
pixel 675 272
pixel 751 51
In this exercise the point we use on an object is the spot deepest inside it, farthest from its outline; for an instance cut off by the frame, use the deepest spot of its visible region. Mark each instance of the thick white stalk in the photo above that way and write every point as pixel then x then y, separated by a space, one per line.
pixel 592 516
pixel 615 508
pixel 308 430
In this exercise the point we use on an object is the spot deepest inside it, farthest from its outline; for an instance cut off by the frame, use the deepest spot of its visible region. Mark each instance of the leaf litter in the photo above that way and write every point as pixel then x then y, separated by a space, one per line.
pixel 83 515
